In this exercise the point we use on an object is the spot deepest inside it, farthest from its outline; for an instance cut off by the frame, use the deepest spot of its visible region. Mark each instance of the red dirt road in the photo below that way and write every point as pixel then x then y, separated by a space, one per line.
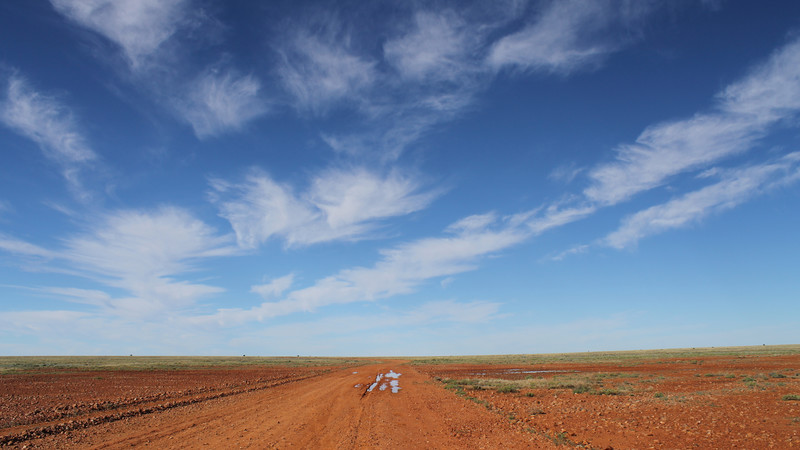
pixel 325 411
pixel 750 401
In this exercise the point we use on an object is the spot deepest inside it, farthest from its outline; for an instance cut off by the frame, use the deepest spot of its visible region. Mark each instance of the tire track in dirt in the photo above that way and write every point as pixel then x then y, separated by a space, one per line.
pixel 93 416
pixel 326 411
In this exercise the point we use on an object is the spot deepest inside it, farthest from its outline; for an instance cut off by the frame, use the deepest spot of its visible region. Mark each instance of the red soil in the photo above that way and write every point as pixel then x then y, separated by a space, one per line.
pixel 330 410
pixel 734 402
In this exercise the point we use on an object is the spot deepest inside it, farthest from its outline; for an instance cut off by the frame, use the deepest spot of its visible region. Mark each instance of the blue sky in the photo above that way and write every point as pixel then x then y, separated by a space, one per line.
pixel 397 178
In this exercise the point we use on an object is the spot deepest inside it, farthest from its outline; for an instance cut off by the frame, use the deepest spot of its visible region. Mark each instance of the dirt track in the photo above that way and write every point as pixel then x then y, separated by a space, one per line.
pixel 704 402
pixel 326 411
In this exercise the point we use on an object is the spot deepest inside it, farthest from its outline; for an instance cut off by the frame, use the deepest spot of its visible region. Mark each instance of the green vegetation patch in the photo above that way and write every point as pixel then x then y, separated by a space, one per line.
pixel 9 364
pixel 620 357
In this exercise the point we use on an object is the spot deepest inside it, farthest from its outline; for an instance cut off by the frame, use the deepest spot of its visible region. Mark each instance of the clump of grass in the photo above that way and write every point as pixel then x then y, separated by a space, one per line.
pixel 730 375
pixel 777 375
pixel 507 389
pixel 608 392
pixel 580 389
pixel 659 395
pixel 789 397
pixel 530 394
pixel 560 439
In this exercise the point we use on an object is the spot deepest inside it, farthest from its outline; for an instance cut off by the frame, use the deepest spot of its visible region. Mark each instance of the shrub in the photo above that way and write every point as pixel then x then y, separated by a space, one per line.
pixel 580 389
pixel 791 397
pixel 507 389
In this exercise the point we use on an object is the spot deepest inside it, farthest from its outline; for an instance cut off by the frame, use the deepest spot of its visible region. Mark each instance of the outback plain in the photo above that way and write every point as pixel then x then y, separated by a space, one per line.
pixel 732 397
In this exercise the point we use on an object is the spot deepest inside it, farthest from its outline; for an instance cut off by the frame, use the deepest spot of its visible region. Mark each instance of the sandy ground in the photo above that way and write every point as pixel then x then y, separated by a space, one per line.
pixel 332 410
pixel 710 402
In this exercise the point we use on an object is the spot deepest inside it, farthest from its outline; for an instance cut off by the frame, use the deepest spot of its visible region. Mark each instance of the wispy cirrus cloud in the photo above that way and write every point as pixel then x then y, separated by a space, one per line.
pixel 400 270
pixel 275 287
pixel 437 47
pixel 320 69
pixel 214 101
pixel 48 122
pixel 140 252
pixel 436 61
pixel 745 112
pixel 736 187
pixel 138 27
pixel 339 204
pixel 766 99
pixel 219 102
pixel 561 39
pixel 10 244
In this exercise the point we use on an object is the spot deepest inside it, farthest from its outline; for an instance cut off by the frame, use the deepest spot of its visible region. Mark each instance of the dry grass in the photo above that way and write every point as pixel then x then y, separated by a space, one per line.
pixel 25 363
pixel 617 357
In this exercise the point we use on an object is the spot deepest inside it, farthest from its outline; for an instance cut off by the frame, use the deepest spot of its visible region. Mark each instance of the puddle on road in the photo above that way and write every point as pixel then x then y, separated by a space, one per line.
pixel 377 380
pixel 393 384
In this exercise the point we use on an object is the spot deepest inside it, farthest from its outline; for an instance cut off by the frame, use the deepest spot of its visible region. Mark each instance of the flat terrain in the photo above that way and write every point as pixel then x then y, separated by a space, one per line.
pixel 704 398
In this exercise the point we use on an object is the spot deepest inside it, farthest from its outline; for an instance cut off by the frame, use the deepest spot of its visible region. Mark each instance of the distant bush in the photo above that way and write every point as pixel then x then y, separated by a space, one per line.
pixel 580 389
pixel 507 389
pixel 791 397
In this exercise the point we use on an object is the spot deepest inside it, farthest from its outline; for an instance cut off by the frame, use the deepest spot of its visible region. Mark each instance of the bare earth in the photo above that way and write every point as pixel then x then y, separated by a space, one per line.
pixel 706 402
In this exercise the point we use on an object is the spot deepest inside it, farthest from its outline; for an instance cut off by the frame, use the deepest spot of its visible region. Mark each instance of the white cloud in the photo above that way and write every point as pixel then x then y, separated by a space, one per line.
pixel 771 91
pixel 138 252
pixel 665 150
pixel 438 47
pixel 145 244
pixel 318 69
pixel 566 36
pixel 736 187
pixel 578 249
pixel 85 296
pixel 358 195
pixel 434 64
pixel 400 270
pixel 51 125
pixel 213 101
pixel 565 173
pixel 747 110
pixel 219 102
pixel 475 222
pixel 139 27
pixel 16 246
pixel 274 288
pixel 555 216
pixel 339 204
